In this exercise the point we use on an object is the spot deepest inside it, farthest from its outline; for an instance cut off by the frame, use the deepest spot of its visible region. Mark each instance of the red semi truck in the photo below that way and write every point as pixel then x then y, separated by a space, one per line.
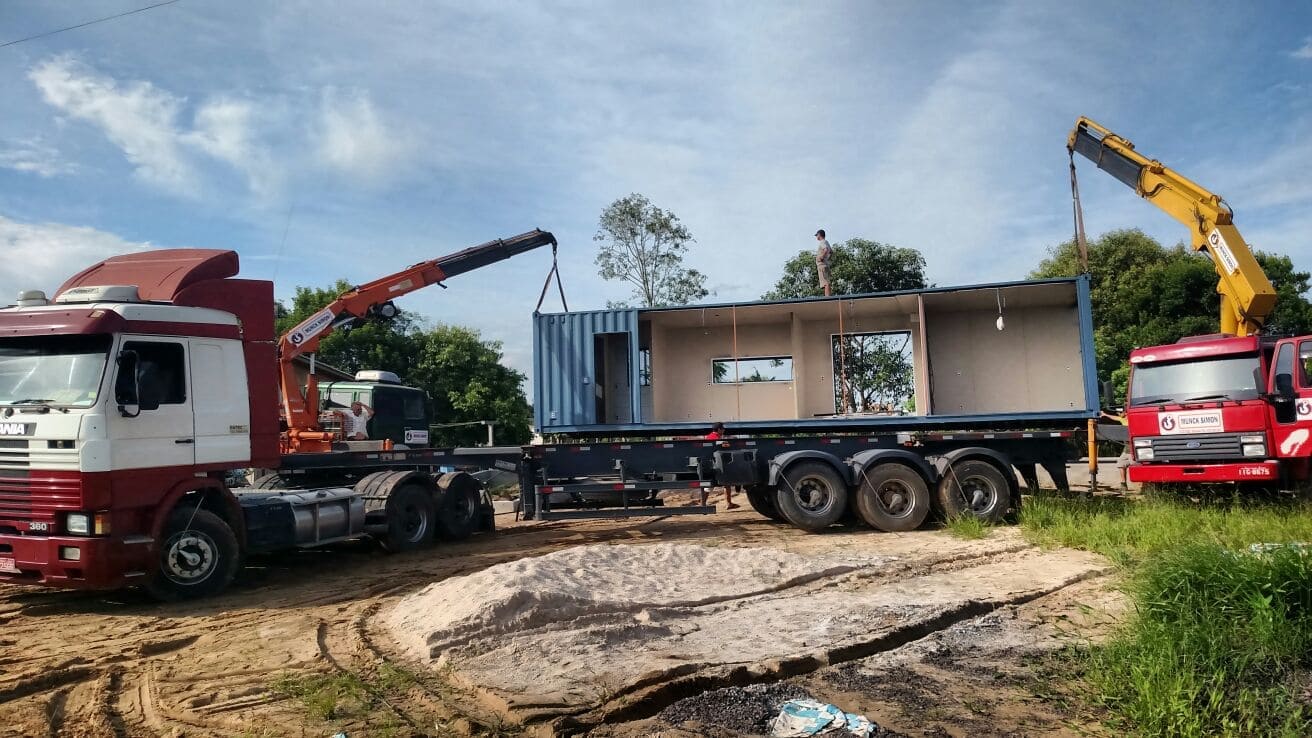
pixel 1235 407
pixel 128 397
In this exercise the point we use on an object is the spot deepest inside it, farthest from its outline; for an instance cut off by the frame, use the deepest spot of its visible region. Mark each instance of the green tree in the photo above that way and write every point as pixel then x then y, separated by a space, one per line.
pixel 464 375
pixel 857 266
pixel 460 371
pixel 644 246
pixel 1144 294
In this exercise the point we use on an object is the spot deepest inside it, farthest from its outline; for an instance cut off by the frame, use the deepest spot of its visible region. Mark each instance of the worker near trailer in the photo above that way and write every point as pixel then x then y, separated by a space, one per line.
pixel 357 421
pixel 823 253
pixel 717 434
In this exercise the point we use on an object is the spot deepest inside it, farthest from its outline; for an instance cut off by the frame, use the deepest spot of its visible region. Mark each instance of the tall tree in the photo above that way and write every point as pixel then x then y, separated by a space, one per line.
pixel 644 246
pixel 857 266
pixel 462 373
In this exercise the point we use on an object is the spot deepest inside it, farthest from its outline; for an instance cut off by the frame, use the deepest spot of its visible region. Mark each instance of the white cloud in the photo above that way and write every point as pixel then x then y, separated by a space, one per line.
pixel 34 156
pixel 353 138
pixel 224 129
pixel 137 117
pixel 42 255
pixel 1304 51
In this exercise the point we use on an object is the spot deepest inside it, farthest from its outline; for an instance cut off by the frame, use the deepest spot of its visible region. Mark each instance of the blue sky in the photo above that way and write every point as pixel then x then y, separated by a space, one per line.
pixel 376 135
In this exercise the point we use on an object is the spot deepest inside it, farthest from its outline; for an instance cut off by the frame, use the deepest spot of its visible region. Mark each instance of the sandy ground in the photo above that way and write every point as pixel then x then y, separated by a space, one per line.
pixel 939 644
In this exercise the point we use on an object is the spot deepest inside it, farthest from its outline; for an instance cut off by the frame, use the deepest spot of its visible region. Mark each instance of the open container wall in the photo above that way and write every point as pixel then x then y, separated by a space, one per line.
pixel 798 364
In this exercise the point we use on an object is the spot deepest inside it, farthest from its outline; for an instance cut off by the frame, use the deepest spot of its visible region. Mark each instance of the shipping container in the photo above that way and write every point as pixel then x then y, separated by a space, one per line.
pixel 1005 355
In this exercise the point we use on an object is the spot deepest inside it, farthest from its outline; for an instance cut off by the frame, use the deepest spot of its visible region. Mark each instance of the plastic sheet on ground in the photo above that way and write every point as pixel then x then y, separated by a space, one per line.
pixel 800 718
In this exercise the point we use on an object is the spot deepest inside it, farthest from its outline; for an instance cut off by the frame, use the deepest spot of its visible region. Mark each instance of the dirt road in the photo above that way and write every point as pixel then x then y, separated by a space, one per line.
pixel 296 648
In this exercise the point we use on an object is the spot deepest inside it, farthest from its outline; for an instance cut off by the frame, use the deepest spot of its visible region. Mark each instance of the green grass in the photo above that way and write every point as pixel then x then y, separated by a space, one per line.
pixel 968 527
pixel 326 696
pixel 1220 639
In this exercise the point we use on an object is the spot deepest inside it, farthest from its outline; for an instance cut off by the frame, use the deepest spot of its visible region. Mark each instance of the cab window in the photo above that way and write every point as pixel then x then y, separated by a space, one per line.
pixel 161 370
pixel 1305 364
pixel 1284 365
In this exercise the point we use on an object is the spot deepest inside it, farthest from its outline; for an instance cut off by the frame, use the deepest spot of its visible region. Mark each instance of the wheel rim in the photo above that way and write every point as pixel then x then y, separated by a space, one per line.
pixel 979 493
pixel 896 498
pixel 190 557
pixel 414 523
pixel 813 494
pixel 462 507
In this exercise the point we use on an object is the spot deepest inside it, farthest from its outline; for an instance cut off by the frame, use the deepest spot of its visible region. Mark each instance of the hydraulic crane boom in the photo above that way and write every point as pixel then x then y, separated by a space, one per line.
pixel 373 300
pixel 1247 296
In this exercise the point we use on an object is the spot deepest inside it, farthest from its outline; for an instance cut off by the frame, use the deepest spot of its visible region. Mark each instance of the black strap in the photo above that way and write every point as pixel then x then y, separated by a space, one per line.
pixel 1080 243
pixel 555 272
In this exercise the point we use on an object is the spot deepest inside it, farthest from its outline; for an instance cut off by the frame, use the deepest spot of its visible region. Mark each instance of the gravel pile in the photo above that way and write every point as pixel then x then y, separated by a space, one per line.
pixel 743 709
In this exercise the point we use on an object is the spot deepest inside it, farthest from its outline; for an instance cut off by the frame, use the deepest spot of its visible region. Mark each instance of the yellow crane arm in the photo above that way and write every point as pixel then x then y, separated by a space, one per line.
pixel 1247 296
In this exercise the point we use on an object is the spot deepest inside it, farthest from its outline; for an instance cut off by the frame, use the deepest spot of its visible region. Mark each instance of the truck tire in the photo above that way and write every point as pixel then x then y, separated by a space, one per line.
pixel 198 557
pixel 893 498
pixel 762 500
pixel 269 481
pixel 410 518
pixel 811 495
pixel 458 506
pixel 974 487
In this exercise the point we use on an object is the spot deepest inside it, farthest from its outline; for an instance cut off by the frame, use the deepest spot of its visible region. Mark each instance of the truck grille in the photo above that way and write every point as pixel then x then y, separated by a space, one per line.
pixel 1197 447
pixel 37 481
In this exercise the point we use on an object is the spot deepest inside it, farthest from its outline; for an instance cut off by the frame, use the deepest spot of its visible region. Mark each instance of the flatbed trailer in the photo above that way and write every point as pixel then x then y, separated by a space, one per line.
pixel 892 481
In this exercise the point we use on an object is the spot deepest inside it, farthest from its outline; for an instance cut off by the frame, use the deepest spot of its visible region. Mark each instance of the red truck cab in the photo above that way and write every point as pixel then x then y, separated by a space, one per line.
pixel 1221 409
pixel 135 388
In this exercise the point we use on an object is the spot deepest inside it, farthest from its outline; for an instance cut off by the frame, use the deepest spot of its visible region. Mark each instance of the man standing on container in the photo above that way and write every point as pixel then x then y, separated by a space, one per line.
pixel 822 255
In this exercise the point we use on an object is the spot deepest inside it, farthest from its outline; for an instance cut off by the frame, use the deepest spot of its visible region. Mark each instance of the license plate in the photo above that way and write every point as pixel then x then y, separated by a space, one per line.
pixel 8 565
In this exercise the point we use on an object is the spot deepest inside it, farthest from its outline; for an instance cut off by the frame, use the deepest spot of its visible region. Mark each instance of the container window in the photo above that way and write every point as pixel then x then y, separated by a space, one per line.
pixel 874 373
pixel 754 369
pixel 644 367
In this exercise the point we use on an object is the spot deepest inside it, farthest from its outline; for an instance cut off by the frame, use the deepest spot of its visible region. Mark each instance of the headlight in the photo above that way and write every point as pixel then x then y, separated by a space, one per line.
pixel 1257 438
pixel 1254 449
pixel 79 524
pixel 1145 454
pixel 1143 442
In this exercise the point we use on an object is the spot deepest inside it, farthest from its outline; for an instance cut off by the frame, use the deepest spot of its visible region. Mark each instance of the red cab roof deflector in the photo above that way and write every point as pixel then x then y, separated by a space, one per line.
pixel 158 274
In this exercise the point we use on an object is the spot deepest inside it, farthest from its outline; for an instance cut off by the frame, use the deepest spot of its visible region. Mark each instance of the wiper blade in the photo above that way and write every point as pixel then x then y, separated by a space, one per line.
pixel 30 401
pixel 1220 396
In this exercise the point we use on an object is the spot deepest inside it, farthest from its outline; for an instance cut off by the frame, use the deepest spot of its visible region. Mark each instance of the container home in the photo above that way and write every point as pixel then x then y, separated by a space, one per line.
pixel 1015 354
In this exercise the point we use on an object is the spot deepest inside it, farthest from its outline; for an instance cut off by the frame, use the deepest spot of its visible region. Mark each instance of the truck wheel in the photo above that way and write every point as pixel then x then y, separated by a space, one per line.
pixel 893 498
pixel 975 488
pixel 762 501
pixel 199 556
pixel 270 481
pixel 812 495
pixel 458 511
pixel 409 518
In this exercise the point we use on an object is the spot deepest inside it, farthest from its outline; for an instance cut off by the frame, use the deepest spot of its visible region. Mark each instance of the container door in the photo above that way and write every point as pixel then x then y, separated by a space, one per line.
pixel 163 436
pixel 1291 386
pixel 613 378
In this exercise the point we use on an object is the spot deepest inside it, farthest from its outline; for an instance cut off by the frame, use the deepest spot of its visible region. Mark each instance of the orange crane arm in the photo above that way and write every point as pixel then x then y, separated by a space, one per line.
pixel 1247 296
pixel 370 301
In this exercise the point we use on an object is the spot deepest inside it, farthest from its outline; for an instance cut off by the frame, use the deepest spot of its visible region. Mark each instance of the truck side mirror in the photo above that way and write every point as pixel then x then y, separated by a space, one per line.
pixel 1259 379
pixel 127 389
pixel 1285 387
pixel 1108 390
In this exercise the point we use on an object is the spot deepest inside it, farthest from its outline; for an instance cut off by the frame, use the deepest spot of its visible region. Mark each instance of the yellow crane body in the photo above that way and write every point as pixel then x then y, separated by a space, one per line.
pixel 1247 296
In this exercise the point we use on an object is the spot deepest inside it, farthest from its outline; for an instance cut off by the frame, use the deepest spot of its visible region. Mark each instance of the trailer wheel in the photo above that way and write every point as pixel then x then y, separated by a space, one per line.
pixel 812 495
pixel 762 501
pixel 199 556
pixel 977 488
pixel 409 518
pixel 458 510
pixel 893 498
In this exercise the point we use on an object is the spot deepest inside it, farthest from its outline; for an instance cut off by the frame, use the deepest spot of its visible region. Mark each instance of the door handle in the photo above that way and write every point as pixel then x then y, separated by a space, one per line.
pixel 184 440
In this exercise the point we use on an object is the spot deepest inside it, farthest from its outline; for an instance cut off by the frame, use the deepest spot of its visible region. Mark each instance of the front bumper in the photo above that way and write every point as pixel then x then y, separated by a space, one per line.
pixel 103 563
pixel 1179 473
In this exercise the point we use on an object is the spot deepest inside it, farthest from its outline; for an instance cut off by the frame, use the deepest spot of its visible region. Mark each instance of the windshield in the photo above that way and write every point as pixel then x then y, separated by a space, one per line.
pixel 1230 378
pixel 52 370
